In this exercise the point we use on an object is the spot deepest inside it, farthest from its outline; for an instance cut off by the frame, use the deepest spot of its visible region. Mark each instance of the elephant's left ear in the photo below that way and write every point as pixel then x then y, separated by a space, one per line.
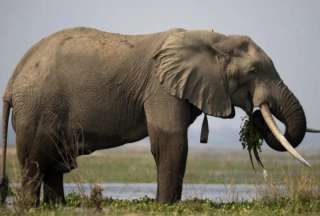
pixel 190 68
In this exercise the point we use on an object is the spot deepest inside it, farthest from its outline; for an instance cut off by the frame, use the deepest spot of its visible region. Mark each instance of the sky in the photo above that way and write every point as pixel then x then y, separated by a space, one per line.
pixel 288 30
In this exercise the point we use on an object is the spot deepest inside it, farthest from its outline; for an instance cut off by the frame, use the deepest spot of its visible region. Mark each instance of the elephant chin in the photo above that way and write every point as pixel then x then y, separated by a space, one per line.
pixel 289 111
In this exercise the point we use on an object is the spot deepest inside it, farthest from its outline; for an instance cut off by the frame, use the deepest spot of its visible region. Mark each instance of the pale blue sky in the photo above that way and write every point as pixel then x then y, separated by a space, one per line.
pixel 288 30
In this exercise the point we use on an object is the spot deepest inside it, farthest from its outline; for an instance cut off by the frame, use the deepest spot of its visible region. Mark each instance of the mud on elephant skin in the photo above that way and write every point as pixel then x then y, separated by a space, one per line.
pixel 116 89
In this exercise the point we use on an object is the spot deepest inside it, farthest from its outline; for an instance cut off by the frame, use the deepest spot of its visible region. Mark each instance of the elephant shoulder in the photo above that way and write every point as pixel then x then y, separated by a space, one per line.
pixel 174 30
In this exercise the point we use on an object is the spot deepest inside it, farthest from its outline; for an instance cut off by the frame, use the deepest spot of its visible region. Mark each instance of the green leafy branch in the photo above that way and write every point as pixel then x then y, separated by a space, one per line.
pixel 251 139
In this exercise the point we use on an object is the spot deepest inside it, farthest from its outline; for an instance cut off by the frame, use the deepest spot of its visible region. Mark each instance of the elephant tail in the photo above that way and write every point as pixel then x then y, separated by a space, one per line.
pixel 4 182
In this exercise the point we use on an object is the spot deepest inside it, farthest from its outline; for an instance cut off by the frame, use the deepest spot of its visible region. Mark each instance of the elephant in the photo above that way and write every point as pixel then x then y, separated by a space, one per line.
pixel 82 89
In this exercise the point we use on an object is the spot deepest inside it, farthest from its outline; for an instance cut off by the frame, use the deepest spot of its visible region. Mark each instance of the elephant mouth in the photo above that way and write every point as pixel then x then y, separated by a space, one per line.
pixel 249 107
pixel 247 104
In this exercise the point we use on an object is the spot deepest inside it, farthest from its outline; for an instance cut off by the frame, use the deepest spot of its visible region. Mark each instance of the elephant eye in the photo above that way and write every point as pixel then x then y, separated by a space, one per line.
pixel 251 71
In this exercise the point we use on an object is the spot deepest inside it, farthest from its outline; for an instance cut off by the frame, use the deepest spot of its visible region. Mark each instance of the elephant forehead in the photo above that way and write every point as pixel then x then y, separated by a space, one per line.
pixel 194 38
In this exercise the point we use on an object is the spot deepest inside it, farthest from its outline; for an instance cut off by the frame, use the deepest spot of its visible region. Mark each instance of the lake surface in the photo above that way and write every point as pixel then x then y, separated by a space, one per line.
pixel 214 192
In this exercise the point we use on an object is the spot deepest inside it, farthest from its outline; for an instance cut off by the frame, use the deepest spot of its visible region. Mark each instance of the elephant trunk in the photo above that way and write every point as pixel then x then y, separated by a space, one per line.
pixel 285 107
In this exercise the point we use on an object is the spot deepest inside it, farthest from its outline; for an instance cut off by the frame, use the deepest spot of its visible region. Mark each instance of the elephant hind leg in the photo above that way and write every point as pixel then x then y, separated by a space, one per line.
pixel 53 187
pixel 31 183
pixel 29 195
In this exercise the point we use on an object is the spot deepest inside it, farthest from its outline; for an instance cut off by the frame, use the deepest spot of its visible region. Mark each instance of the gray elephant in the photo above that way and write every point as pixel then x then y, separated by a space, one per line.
pixel 81 89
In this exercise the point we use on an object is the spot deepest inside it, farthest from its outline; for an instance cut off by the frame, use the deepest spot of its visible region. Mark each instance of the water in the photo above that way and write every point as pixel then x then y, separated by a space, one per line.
pixel 214 192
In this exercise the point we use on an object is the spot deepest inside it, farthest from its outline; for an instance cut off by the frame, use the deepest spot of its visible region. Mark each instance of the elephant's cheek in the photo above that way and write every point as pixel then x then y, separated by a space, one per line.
pixel 246 106
pixel 244 102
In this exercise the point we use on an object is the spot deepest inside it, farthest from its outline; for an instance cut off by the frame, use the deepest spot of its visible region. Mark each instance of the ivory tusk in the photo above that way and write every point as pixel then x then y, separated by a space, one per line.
pixel 311 130
pixel 277 133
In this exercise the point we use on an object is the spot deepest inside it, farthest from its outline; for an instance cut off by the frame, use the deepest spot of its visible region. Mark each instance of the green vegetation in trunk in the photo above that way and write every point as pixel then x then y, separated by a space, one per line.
pixel 251 139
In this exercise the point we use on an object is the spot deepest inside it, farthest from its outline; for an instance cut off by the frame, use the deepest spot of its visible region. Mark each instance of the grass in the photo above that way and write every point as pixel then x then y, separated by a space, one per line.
pixel 145 206
pixel 208 166
pixel 301 195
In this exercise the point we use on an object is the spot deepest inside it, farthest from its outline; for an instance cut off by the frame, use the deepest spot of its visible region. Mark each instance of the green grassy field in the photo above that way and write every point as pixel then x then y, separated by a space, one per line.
pixel 191 207
pixel 135 164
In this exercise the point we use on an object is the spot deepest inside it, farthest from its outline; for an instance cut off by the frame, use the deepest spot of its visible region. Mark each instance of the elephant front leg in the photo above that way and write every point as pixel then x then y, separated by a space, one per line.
pixel 168 119
pixel 170 154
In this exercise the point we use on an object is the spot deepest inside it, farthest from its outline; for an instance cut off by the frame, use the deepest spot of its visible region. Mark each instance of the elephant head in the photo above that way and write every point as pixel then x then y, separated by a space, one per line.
pixel 216 72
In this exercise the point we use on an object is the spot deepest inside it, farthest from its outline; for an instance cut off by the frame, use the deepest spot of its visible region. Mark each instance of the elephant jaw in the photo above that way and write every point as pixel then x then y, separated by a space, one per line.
pixel 266 113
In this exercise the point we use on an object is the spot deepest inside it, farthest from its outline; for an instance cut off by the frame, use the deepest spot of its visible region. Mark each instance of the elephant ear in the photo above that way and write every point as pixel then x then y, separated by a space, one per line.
pixel 190 68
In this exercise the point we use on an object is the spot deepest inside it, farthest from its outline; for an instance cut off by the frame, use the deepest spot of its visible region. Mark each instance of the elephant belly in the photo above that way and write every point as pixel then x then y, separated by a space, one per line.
pixel 110 127
pixel 95 140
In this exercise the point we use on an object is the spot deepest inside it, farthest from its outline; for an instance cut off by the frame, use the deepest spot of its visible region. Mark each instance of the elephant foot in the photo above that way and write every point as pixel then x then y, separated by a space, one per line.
pixel 170 182
pixel 169 195
pixel 53 192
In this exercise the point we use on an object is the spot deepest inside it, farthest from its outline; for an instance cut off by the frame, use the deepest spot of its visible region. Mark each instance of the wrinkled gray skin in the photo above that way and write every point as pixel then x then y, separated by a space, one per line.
pixel 81 90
